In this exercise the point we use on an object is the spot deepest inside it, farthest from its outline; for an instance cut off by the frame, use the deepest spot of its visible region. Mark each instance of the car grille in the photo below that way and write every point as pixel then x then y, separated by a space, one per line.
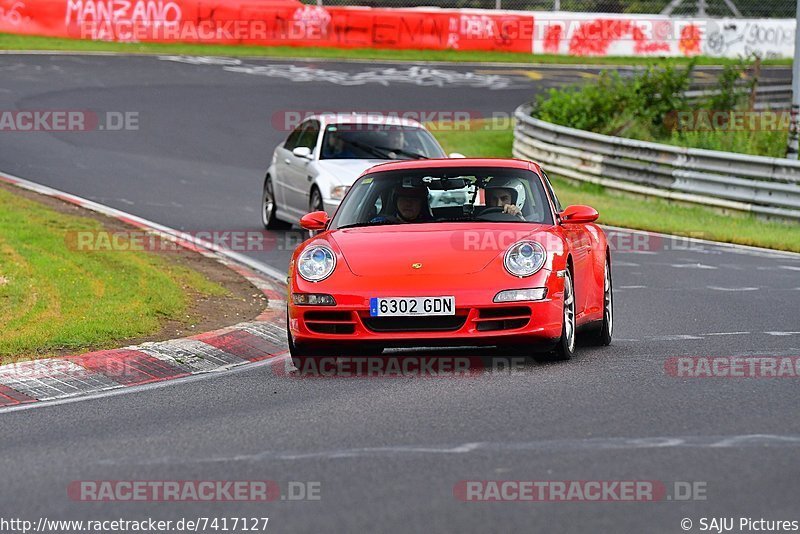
pixel 442 323
pixel 505 318
pixel 324 322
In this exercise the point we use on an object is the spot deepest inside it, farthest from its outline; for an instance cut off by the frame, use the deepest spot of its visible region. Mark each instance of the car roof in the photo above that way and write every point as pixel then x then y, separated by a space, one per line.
pixel 365 118
pixel 449 163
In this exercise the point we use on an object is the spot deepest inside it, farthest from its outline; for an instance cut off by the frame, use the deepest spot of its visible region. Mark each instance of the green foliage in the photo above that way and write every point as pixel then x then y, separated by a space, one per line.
pixel 763 143
pixel 614 103
pixel 732 95
pixel 645 106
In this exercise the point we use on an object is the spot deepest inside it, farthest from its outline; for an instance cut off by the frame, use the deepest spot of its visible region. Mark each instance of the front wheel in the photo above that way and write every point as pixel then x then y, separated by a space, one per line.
pixel 565 348
pixel 315 201
pixel 603 335
pixel 268 207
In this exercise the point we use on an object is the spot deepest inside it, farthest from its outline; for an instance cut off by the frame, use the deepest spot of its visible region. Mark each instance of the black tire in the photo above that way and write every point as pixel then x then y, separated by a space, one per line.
pixel 315 201
pixel 565 348
pixel 602 336
pixel 302 355
pixel 268 207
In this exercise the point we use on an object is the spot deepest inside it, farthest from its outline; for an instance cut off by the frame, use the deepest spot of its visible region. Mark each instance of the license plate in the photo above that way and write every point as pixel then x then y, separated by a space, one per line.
pixel 411 306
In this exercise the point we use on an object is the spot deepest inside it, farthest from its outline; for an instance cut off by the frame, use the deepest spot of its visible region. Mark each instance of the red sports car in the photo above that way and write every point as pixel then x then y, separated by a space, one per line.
pixel 467 252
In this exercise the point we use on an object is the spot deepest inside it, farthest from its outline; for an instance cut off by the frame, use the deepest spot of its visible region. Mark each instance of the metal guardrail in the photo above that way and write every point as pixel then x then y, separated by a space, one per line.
pixel 767 96
pixel 767 187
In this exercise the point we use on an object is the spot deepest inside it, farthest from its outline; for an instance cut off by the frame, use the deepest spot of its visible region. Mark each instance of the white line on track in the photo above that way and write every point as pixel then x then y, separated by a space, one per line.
pixel 726 333
pixel 781 334
pixel 717 288
pixel 692 266
pixel 755 251
pixel 552 446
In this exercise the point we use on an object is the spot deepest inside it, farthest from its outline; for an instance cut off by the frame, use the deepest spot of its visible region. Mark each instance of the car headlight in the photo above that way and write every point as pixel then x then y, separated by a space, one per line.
pixel 524 258
pixel 316 263
pixel 339 191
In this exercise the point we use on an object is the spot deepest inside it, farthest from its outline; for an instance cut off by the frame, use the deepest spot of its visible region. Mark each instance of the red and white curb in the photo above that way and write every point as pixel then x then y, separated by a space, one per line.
pixel 86 374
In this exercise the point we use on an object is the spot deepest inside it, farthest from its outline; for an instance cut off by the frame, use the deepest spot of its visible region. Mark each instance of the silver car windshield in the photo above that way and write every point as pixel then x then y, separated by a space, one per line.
pixel 469 194
pixel 378 141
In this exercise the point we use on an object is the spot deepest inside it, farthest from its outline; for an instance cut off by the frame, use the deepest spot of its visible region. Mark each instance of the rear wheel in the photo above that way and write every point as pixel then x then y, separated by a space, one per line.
pixel 268 207
pixel 603 335
pixel 565 348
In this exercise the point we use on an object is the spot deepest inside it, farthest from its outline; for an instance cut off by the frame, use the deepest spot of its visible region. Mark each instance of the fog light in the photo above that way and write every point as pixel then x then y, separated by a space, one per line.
pixel 516 295
pixel 313 299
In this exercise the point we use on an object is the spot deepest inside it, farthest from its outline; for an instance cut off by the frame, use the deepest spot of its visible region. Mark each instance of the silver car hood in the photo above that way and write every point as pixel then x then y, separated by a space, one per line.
pixel 345 171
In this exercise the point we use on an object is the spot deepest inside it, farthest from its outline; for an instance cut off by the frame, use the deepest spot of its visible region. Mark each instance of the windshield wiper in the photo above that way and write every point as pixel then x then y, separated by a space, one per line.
pixel 404 152
pixel 369 149
pixel 375 223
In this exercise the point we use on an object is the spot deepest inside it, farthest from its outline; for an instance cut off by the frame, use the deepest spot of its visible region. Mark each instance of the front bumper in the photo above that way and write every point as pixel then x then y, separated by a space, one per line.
pixel 478 320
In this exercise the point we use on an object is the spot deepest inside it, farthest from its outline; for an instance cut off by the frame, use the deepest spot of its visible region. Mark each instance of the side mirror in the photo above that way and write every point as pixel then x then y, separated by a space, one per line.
pixel 314 221
pixel 579 214
pixel 302 152
pixel 456 155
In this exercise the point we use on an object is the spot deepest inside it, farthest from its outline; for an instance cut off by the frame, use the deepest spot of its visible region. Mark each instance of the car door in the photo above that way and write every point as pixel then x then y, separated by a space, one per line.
pixel 283 166
pixel 580 243
pixel 300 172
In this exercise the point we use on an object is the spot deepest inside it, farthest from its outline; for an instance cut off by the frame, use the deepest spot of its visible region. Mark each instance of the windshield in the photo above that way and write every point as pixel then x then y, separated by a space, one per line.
pixel 378 141
pixel 468 194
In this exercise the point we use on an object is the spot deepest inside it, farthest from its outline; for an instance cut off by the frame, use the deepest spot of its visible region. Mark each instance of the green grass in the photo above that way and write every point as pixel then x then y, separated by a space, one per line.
pixel 55 298
pixel 630 211
pixel 25 42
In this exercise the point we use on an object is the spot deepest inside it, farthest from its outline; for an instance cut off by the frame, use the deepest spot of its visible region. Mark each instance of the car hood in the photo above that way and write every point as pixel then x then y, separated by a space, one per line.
pixel 441 248
pixel 345 171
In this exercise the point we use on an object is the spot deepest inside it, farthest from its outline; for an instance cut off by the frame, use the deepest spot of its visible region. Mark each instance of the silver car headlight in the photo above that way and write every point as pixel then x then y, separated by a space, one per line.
pixel 339 191
pixel 316 263
pixel 524 258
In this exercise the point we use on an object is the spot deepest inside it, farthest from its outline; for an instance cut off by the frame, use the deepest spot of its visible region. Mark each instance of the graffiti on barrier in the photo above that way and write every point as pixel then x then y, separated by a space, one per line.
pixel 765 38
pixel 422 76
pixel 101 19
pixel 12 15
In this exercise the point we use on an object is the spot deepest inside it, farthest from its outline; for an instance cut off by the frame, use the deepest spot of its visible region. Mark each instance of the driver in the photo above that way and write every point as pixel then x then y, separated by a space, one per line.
pixel 336 147
pixel 396 141
pixel 506 193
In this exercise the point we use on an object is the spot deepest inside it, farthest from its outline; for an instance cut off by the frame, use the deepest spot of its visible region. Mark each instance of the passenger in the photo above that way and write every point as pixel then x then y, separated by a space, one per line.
pixel 411 205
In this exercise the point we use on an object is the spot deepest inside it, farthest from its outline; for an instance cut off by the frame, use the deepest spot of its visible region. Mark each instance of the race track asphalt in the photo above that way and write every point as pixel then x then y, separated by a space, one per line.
pixel 389 452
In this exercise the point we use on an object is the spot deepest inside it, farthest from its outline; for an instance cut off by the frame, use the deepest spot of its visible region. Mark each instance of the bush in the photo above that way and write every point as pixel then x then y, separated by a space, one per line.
pixel 644 107
pixel 614 103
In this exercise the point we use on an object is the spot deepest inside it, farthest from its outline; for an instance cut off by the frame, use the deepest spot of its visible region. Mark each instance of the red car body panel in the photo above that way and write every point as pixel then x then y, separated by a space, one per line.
pixel 458 259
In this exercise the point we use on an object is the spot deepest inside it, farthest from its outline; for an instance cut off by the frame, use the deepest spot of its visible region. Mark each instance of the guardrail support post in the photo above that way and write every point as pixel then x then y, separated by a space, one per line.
pixel 791 150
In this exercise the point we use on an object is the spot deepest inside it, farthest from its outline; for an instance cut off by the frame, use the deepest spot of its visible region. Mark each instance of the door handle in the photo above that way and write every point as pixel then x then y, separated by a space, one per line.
pixel 287 161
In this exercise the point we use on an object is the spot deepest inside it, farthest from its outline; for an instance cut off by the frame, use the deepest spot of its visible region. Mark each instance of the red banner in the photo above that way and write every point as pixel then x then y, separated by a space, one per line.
pixel 267 22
